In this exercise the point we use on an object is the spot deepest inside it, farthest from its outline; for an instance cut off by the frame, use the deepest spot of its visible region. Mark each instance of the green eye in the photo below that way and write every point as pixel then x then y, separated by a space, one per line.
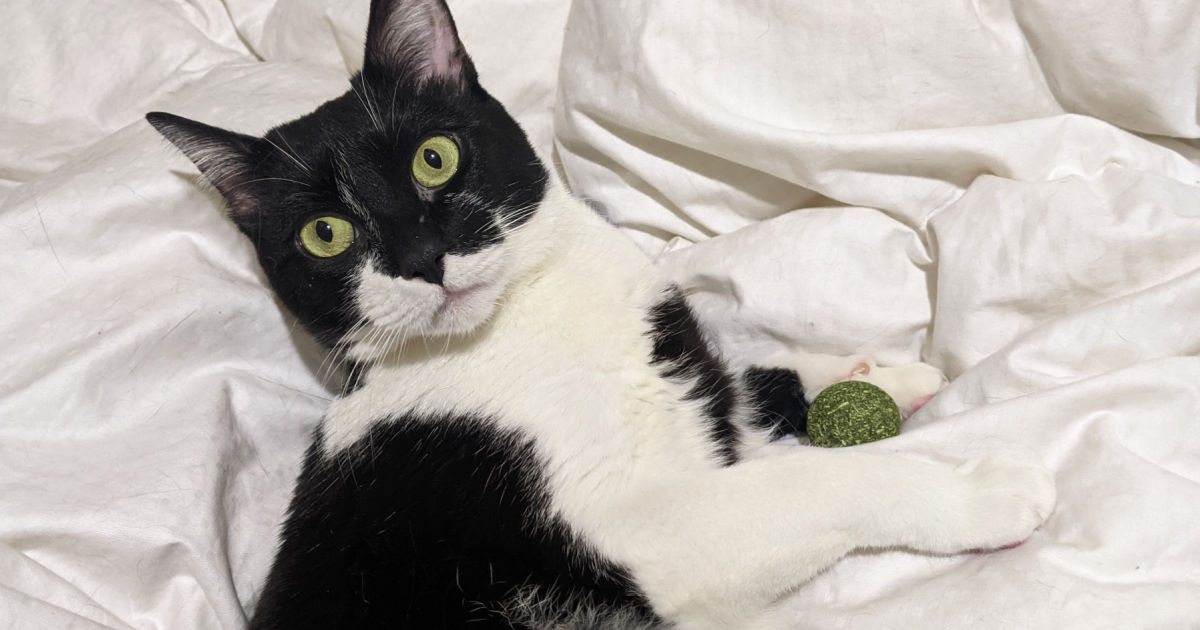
pixel 326 237
pixel 435 162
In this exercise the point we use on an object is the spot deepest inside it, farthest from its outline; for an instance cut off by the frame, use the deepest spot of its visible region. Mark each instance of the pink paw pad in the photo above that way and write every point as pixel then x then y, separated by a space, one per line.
pixel 860 370
pixel 921 402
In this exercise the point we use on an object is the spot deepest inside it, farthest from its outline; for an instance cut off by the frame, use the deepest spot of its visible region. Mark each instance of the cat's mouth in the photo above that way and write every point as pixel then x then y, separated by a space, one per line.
pixel 396 309
pixel 464 303
pixel 452 298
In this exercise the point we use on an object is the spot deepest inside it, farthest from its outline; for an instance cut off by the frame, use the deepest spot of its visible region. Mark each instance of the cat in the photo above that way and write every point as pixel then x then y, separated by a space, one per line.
pixel 536 433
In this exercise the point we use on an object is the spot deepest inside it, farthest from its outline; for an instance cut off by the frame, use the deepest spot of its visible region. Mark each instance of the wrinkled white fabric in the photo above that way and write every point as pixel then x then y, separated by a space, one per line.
pixel 952 182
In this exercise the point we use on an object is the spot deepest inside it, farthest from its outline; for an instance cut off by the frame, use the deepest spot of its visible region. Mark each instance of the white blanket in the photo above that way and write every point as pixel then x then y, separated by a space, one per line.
pixel 1006 190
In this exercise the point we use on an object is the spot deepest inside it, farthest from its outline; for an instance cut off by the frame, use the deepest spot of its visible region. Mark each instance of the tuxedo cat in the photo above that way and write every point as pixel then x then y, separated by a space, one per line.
pixel 536 433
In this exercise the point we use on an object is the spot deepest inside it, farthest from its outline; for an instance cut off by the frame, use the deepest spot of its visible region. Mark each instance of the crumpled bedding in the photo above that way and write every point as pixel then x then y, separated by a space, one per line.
pixel 1009 191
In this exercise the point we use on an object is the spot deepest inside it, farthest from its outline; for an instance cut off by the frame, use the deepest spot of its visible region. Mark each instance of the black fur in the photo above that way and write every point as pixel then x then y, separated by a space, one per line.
pixel 680 347
pixel 436 522
pixel 778 398
pixel 352 157
pixel 429 523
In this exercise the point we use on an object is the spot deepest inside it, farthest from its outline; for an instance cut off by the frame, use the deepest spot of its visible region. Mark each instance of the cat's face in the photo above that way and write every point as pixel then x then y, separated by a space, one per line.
pixel 382 215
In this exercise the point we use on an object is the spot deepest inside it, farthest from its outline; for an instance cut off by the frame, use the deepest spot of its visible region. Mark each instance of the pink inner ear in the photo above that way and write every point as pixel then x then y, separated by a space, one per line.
pixel 420 37
pixel 444 50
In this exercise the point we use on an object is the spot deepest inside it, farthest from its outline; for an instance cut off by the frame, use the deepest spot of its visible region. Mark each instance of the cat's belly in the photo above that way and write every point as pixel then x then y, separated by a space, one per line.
pixel 607 424
pixel 569 363
pixel 618 420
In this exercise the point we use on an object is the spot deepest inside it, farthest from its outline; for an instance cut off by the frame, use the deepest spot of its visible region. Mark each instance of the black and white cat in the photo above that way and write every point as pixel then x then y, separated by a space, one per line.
pixel 537 434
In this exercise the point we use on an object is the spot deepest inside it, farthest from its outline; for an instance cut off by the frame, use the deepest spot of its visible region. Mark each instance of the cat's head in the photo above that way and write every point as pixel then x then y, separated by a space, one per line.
pixel 382 215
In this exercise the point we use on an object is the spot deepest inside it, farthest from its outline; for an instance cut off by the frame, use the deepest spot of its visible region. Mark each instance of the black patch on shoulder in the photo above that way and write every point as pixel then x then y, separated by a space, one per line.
pixel 778 400
pixel 429 523
pixel 679 345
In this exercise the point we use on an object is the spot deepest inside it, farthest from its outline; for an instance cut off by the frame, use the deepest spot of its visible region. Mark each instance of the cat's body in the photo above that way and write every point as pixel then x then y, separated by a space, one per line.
pixel 517 447
pixel 539 435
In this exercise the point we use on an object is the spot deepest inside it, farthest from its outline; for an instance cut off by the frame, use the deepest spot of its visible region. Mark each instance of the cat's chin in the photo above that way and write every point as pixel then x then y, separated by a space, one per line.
pixel 464 309
pixel 448 313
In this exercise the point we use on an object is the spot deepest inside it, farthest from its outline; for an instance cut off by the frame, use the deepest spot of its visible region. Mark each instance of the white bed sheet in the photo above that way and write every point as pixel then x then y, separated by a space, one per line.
pixel 952 181
pixel 947 182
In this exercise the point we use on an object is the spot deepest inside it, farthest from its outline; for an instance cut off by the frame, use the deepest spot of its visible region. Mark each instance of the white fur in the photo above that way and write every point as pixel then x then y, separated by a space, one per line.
pixel 399 309
pixel 564 357
pixel 532 607
pixel 909 385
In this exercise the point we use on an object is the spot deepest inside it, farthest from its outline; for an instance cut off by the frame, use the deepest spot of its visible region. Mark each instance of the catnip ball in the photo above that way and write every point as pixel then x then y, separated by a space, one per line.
pixel 852 412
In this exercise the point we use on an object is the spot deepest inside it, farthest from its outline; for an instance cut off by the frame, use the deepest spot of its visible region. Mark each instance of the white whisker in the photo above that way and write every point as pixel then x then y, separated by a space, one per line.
pixel 364 99
pixel 294 158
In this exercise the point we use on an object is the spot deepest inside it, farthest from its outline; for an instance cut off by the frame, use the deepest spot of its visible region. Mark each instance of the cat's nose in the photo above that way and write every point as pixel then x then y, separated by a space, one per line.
pixel 425 261
pixel 430 271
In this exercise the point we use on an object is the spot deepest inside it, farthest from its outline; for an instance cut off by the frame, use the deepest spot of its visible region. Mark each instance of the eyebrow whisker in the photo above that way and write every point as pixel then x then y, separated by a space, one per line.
pixel 294 158
pixel 343 180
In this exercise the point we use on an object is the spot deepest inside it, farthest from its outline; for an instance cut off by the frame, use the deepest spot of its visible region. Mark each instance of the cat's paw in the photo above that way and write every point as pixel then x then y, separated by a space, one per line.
pixel 1004 504
pixel 911 386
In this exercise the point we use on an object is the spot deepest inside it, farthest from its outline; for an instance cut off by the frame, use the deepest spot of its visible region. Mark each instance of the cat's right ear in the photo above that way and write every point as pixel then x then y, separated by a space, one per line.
pixel 223 157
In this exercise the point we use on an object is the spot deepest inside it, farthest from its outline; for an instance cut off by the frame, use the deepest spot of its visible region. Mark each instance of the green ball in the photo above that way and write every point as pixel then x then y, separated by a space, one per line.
pixel 852 412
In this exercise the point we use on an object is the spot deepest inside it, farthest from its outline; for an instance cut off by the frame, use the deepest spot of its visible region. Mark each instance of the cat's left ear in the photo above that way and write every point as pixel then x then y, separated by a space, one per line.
pixel 224 157
pixel 416 40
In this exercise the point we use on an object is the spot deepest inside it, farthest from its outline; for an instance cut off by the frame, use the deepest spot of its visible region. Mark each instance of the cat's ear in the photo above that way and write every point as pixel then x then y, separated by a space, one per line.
pixel 224 157
pixel 417 40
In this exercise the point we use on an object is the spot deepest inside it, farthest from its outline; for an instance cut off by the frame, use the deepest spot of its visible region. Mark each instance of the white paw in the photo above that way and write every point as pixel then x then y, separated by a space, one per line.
pixel 1005 503
pixel 911 386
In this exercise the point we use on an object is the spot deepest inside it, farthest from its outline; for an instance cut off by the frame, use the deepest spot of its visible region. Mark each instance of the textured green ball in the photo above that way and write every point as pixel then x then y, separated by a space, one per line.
pixel 852 412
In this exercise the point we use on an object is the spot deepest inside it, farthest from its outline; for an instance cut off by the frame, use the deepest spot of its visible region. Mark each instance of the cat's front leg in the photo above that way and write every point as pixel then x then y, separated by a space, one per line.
pixel 717 549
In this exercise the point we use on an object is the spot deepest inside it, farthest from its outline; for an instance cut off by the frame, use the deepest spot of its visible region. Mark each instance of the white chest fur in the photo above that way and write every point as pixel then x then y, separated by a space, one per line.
pixel 565 359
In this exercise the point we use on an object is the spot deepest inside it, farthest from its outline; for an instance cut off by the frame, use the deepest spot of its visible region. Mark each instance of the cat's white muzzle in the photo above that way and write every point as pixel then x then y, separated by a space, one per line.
pixel 398 309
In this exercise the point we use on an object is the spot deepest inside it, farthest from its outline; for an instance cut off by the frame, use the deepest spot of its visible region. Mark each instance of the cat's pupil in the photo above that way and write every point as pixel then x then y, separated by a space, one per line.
pixel 324 231
pixel 432 158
